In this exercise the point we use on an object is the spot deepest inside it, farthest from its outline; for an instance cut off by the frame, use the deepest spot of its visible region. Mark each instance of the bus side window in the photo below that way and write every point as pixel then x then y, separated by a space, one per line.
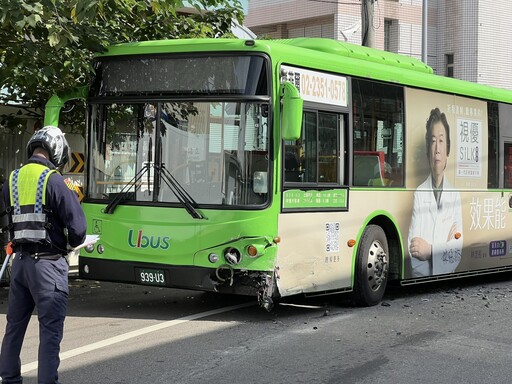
pixel 382 175
pixel 378 134
pixel 364 167
pixel 314 157
pixel 291 167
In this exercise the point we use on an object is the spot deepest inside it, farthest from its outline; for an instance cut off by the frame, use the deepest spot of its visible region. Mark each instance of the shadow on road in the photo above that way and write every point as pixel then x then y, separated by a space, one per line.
pixel 101 299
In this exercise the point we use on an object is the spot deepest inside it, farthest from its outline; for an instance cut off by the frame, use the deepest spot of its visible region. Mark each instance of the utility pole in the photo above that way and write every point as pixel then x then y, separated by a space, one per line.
pixel 367 30
pixel 424 30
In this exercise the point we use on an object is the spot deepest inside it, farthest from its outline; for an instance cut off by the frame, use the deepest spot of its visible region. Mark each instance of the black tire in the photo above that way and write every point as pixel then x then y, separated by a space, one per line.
pixel 372 264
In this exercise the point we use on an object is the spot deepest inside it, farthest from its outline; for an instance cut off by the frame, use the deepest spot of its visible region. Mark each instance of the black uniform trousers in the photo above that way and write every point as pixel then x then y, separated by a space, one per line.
pixel 43 284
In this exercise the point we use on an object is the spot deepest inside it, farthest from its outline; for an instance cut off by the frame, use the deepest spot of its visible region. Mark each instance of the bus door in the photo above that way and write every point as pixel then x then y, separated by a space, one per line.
pixel 314 194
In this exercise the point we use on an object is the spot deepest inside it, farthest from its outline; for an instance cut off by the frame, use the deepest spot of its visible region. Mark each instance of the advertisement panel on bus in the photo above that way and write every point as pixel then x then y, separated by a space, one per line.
pixel 453 229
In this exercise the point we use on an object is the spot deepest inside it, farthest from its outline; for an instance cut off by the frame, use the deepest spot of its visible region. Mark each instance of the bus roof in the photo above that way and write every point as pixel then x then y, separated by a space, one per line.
pixel 328 55
pixel 359 52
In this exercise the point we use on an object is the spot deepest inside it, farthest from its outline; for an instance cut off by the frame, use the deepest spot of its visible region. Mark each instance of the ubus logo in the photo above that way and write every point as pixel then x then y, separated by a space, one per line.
pixel 139 240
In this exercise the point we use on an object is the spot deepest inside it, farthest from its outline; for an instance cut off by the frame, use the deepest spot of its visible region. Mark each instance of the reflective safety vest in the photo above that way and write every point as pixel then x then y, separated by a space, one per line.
pixel 29 221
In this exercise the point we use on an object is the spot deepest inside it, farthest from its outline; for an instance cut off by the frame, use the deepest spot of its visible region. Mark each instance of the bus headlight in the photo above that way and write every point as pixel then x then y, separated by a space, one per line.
pixel 232 256
pixel 213 257
pixel 100 249
pixel 89 248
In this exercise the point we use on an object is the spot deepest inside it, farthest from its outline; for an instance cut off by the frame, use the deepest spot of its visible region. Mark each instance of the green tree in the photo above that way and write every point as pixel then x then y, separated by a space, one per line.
pixel 46 46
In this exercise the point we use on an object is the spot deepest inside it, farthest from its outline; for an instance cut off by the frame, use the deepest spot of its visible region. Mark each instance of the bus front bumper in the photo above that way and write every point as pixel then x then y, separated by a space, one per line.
pixel 223 279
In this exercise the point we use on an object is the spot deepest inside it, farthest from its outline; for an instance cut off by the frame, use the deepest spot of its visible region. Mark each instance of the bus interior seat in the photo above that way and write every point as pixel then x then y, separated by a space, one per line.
pixel 364 169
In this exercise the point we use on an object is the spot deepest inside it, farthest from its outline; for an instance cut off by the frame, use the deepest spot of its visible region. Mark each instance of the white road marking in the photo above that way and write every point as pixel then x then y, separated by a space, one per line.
pixel 129 335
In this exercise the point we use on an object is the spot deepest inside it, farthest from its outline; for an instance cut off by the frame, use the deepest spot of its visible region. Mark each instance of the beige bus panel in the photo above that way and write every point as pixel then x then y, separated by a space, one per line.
pixel 486 215
pixel 304 263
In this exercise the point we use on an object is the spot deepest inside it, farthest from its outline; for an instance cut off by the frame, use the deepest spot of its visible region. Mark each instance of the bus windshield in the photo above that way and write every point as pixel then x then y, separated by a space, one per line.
pixel 216 152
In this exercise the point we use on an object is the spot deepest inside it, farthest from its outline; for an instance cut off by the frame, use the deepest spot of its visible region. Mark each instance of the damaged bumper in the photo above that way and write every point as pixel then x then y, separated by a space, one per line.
pixel 224 279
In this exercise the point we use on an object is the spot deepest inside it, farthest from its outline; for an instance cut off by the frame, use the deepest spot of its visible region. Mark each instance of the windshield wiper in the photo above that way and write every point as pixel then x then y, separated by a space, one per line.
pixel 181 194
pixel 121 196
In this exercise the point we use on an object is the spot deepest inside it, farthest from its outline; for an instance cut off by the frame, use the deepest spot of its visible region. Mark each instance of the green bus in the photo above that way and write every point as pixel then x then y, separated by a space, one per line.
pixel 272 168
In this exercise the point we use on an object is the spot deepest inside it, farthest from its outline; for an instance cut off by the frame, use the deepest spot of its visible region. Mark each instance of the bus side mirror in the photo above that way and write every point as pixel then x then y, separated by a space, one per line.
pixel 291 118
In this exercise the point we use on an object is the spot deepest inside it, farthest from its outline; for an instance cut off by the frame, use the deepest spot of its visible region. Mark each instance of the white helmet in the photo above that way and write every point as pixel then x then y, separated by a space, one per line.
pixel 53 141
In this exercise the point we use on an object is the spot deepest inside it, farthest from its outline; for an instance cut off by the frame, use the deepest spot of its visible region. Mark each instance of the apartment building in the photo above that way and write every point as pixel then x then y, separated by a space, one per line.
pixel 466 39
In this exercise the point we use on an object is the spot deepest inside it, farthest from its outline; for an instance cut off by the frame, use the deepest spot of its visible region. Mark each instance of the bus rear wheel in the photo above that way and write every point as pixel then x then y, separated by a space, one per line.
pixel 372 263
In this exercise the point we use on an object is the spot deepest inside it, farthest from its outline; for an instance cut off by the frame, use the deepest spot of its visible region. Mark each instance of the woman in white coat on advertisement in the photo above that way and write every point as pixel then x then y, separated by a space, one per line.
pixel 435 240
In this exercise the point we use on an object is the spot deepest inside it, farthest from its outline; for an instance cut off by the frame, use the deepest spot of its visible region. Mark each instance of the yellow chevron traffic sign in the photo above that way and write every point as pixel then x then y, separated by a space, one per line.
pixel 77 162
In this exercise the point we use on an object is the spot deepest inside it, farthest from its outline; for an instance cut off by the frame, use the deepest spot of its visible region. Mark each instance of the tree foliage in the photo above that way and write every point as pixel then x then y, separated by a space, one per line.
pixel 46 46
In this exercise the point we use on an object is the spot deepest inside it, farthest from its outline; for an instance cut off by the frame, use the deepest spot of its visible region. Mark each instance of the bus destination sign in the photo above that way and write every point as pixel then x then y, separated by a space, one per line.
pixel 317 86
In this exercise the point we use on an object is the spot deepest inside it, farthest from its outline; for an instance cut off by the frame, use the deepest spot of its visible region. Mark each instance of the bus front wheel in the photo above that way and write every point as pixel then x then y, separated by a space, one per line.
pixel 372 262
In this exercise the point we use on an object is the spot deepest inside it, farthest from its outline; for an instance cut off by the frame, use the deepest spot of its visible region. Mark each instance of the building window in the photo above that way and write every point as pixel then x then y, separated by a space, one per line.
pixel 391 35
pixel 449 65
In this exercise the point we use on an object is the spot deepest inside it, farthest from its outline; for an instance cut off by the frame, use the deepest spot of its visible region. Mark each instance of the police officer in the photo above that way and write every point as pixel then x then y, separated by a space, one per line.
pixel 45 220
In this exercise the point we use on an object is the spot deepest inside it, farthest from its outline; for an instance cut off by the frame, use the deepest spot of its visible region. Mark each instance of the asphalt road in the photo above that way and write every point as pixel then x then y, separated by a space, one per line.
pixel 456 332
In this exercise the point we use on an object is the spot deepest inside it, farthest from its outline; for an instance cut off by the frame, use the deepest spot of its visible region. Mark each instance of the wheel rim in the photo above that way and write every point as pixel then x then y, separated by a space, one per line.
pixel 377 266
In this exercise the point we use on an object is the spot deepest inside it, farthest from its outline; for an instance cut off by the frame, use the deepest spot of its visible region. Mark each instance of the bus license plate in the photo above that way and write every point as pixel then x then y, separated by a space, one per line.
pixel 150 276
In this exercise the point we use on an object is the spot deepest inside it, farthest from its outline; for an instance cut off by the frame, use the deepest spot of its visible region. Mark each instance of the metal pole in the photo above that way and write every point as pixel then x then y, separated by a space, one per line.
pixel 4 265
pixel 8 253
pixel 367 31
pixel 424 29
